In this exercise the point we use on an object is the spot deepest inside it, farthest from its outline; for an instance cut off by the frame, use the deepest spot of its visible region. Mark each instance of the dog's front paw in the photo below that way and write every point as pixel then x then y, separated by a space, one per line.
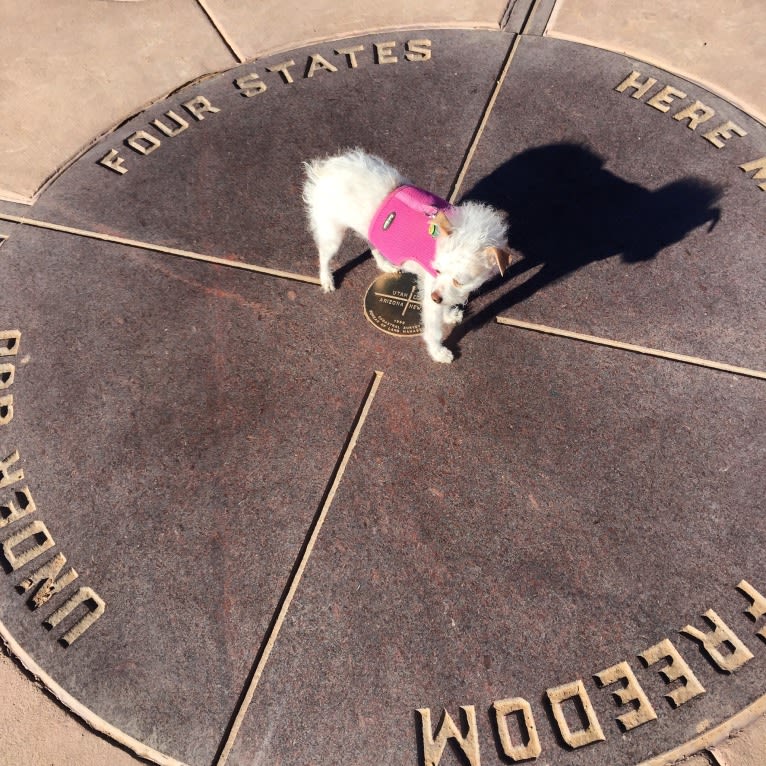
pixel 441 354
pixel 327 282
pixel 453 315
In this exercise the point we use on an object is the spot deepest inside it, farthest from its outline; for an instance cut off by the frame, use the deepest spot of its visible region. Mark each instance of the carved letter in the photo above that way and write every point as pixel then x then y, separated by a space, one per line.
pixel 250 85
pixel 92 601
pixel 434 747
pixel 317 61
pixel 7 372
pixel 7 476
pixel 697 113
pixel 723 131
pixel 757 607
pixel 170 131
pixel 9 342
pixel 665 98
pixel 384 52
pixel 575 691
pixel 42 542
pixel 134 142
pixel 676 670
pixel 198 106
pixel 631 692
pixel 48 584
pixel 283 69
pixel 11 512
pixel 760 167
pixel 520 752
pixel 418 50
pixel 6 409
pixel 114 162
pixel 710 643
pixel 631 81
pixel 349 53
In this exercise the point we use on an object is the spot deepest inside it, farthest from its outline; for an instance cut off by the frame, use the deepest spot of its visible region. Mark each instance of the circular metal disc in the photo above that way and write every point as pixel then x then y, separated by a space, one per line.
pixel 392 304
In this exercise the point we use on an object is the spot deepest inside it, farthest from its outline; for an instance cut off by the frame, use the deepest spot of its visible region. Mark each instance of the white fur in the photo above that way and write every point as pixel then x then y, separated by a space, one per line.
pixel 345 191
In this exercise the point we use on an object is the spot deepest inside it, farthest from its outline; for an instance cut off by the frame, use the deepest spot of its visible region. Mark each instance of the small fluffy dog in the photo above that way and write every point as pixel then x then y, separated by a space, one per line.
pixel 452 249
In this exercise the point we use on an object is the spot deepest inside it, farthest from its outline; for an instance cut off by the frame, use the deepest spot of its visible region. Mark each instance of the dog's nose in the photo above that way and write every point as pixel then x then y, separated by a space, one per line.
pixel 435 297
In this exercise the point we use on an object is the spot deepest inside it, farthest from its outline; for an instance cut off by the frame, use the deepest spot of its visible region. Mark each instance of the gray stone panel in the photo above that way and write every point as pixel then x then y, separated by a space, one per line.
pixel 535 513
pixel 230 183
pixel 525 523
pixel 628 224
pixel 177 425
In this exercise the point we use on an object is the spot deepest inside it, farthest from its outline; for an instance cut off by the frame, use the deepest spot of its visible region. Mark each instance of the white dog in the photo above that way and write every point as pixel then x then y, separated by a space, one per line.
pixel 453 250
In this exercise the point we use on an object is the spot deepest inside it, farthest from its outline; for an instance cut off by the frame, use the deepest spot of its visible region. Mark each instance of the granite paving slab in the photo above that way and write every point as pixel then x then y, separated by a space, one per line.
pixel 628 223
pixel 296 538
pixel 516 527
pixel 176 432
pixel 229 184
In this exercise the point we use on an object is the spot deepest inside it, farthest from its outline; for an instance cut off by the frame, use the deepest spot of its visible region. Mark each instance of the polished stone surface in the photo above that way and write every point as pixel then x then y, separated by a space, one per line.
pixel 160 411
pixel 230 183
pixel 532 514
pixel 610 502
pixel 629 224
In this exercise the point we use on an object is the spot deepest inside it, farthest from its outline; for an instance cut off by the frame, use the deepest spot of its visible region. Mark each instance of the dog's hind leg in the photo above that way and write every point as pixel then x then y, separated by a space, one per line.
pixel 328 236
pixel 383 263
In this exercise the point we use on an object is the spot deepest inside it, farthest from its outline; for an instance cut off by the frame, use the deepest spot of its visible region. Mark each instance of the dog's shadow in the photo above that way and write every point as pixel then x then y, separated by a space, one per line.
pixel 565 211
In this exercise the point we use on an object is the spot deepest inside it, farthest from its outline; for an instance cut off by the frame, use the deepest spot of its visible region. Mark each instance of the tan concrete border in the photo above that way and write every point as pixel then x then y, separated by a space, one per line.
pixel 716 90
pixel 713 737
pixel 653 57
pixel 84 714
pixel 224 35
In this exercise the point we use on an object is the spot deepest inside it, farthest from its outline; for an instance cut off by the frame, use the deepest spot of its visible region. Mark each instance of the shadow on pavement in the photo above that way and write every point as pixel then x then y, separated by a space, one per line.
pixel 565 211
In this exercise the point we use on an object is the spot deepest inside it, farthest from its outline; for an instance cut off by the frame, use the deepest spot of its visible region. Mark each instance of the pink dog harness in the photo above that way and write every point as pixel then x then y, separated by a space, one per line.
pixel 403 228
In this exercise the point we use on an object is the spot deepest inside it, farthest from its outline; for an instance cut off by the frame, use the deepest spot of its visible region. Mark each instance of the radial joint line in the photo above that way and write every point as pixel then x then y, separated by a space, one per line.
pixel 530 16
pixel 453 195
pixel 299 568
pixel 227 39
pixel 483 122
pixel 115 240
pixel 698 361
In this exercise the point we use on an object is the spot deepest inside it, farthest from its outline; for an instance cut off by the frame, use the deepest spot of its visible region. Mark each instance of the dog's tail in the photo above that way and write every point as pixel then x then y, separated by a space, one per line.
pixel 349 164
pixel 316 171
pixel 313 171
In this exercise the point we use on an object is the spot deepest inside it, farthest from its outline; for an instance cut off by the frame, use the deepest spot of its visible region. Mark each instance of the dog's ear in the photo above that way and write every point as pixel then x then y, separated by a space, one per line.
pixel 502 258
pixel 441 220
